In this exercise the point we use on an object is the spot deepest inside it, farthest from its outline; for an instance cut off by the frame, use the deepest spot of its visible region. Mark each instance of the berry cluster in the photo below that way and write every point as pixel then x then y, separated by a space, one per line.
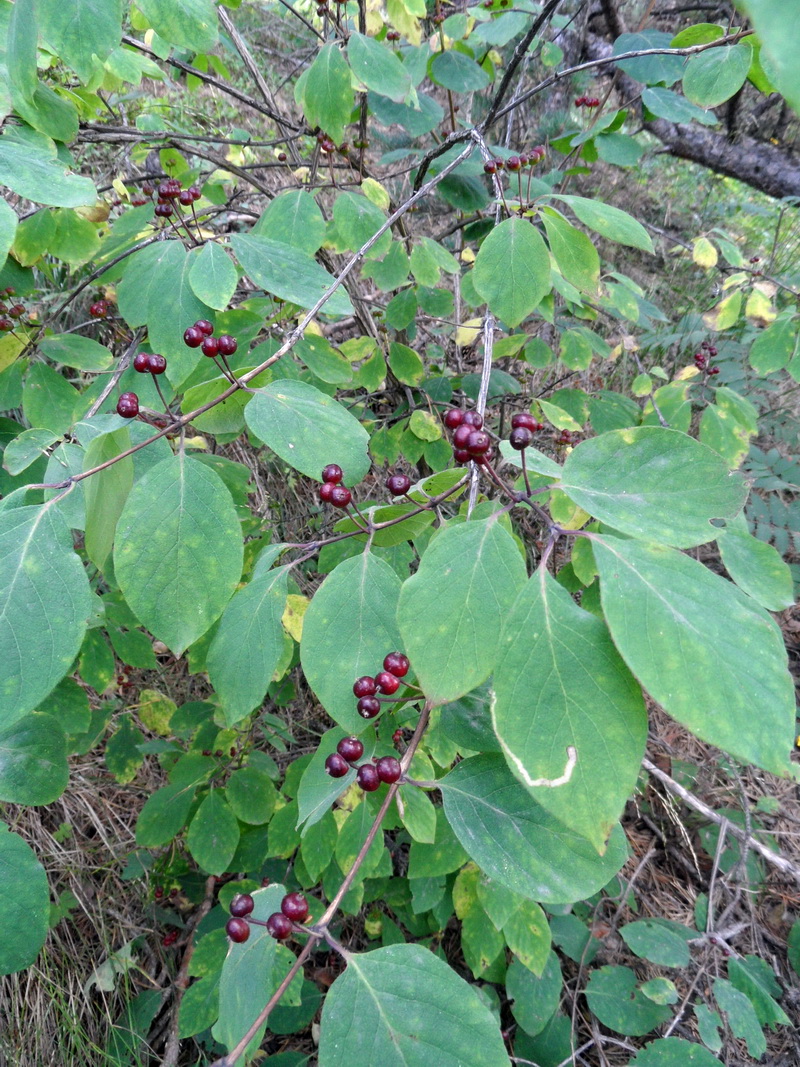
pixel 168 192
pixel 369 775
pixel 149 363
pixel 587 101
pixel 702 359
pixel 332 491
pixel 564 437
pixel 99 309
pixel 328 146
pixel 387 681
pixel 15 311
pixel 280 925
pixel 516 163
pixel 128 405
pixel 523 427
pixel 470 440
pixel 201 335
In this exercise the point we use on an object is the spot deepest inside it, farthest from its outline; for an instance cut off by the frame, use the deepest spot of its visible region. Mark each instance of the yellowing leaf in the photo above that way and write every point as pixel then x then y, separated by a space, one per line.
pixel 561 419
pixel 566 512
pixel 467 256
pixel 759 308
pixel 156 710
pixel 468 333
pixel 296 607
pixel 376 193
pixel 704 253
pixel 685 373
pixel 726 313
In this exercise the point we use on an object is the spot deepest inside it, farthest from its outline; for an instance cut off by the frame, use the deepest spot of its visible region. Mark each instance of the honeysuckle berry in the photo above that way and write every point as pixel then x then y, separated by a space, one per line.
pixel 389 769
pixel 332 473
pixel 490 166
pixel 473 419
pixel 520 438
pixel 351 749
pixel 227 344
pixel 398 484
pixel 238 930
pixel 453 418
pixel 278 926
pixel 326 491
pixel 99 309
pixel 17 311
pixel 164 210
pixel 368 707
pixel 478 443
pixel 461 436
pixel 156 363
pixel 295 907
pixel 365 686
pixel 205 327
pixel 340 496
pixel 336 766
pixel 387 682
pixel 513 163
pixel 524 418
pixel 210 347
pixel 185 197
pixel 195 191
pixel 397 664
pixel 147 189
pixel 141 362
pixel 368 778
pixel 460 455
pixel 241 905
pixel 192 337
pixel 128 405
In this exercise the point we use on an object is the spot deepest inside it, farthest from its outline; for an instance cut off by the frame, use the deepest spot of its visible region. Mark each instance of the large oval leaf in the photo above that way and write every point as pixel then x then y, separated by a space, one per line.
pixel 404 1007
pixel 714 76
pixel 248 644
pixel 288 273
pixel 516 842
pixel 33 761
pixel 348 629
pixel 213 834
pixel 190 24
pixel 39 175
pixel 309 429
pixel 710 656
pixel 654 483
pixel 26 905
pixel 560 682
pixel 451 610
pixel 512 270
pixel 178 553
pixel 326 93
pixel 45 601
pixel 378 68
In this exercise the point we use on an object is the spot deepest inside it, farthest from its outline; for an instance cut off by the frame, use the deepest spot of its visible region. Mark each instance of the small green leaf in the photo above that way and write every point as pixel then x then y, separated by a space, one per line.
pixel 72 350
pixel 409 1003
pixel 190 24
pixel 651 70
pixel 674 1052
pixel 756 567
pixel 33 761
pixel 357 220
pixel 213 834
pixel 741 1016
pixel 326 93
pixel 775 346
pixel 164 814
pixel 528 936
pixel 23 925
pixel 375 66
pixel 574 253
pixel 713 76
pixel 213 276
pixel 610 222
pixel 658 940
pixel 251 795
pixel 39 175
pixel 23 33
pixel 534 999
pixel 457 72
pixel 106 493
pixel 512 270
pixel 8 230
pixel 293 218
pixel 614 998
pixel 288 272
pixel 780 40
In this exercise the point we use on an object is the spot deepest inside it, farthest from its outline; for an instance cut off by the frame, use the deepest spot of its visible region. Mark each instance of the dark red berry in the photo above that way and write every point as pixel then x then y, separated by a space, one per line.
pixel 281 157
pixel 157 363
pixel 238 930
pixel 368 778
pixel 365 686
pixel 524 418
pixel 387 682
pixel 340 496
pixel 185 197
pixel 193 337
pixel 453 418
pixel 712 351
pixel 6 325
pixel 241 905
pixel 147 189
pixel 520 438
pixel 392 35
pixel 278 926
pixel 138 201
pixel 351 749
pixel 398 484
pixel 755 259
pixel 10 290
pixel 164 210
pixel 158 893
pixel 479 443
pixel 513 163
pixel 336 766
pixel 490 166
pixel 205 327
pixel 460 455
pixel 141 362
pixel 210 347
pixel 461 436
pixel 332 473
pixel 473 419
pixel 397 664
pixel 295 907
pixel 227 344
pixel 170 938
pixel 17 311
pixel 368 707
pixel 389 769
pixel 99 309
pixel 195 191
pixel 128 405
pixel 326 491
pixel 713 370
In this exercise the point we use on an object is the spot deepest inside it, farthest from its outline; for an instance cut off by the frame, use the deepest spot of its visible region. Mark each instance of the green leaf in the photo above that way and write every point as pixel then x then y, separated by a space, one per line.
pixel 610 222
pixel 8 230
pixel 48 399
pixel 756 979
pixel 247 975
pixel 516 842
pixel 535 460
pixel 651 70
pixel 212 276
pixel 323 360
pixel 512 270
pixel 674 1052
pixel 213 834
pixel 80 31
pixel 357 219
pixel 775 346
pixel 45 601
pixel 560 683
pixel 702 649
pixel 293 218
pixel 457 72
pixel 534 999
pixel 405 364
pixel 528 936
pixel 451 610
pixel 574 253
pixel 190 24
pixel 780 41
pixel 33 236
pixel 33 761
pixel 26 448
pixel 309 429
pixel 39 175
pixel 659 941
pixel 714 76
pixel 756 567
pixel 23 926
pixel 728 424
pixel 123 756
pixel 619 149
pixel 251 795
pixel 413 1007
pixel 20 54
pixel 614 998
pixel 348 629
pixel 164 814
pixel 741 1016
pixel 377 67
pixel 72 350
pixel 288 273
pixel 654 483
pixel 106 493
pixel 248 644
pixel 326 93
pixel 178 552
pixel 666 104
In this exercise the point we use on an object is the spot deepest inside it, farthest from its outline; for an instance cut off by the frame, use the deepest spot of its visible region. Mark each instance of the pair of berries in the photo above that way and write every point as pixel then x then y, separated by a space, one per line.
pixel 326 145
pixel 294 909
pixel 201 335
pixel 128 405
pixel 149 363
pixel 523 427
pixel 587 101
pixel 470 441
pixel 387 681
pixel 99 309
pixel 332 491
